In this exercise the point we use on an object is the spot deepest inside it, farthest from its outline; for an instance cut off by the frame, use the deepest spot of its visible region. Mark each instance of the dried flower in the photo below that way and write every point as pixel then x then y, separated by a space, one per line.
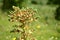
pixel 22 15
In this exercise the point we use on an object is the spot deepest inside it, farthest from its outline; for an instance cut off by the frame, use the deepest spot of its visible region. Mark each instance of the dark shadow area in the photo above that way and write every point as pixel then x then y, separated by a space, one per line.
pixel 7 4
pixel 34 2
pixel 57 14
pixel 55 2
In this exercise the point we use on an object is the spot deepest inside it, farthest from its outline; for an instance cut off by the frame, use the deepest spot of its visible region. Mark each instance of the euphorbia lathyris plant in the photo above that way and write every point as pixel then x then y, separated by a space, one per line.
pixel 23 16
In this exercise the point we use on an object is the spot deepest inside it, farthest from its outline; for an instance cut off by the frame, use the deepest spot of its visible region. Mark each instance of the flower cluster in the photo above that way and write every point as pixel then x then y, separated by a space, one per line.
pixel 22 15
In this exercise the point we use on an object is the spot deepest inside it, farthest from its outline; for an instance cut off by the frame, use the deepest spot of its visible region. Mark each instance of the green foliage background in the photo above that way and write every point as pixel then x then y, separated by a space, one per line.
pixel 49 27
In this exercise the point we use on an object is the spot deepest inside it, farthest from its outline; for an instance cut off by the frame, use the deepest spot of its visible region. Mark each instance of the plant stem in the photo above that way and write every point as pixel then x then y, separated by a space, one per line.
pixel 23 33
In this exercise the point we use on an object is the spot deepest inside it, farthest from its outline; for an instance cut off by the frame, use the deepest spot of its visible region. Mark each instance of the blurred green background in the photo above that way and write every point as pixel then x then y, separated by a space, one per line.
pixel 48 13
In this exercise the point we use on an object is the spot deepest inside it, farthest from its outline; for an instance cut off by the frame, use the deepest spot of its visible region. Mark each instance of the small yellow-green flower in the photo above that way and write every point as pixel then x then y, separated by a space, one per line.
pixel 38 26
pixel 14 38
